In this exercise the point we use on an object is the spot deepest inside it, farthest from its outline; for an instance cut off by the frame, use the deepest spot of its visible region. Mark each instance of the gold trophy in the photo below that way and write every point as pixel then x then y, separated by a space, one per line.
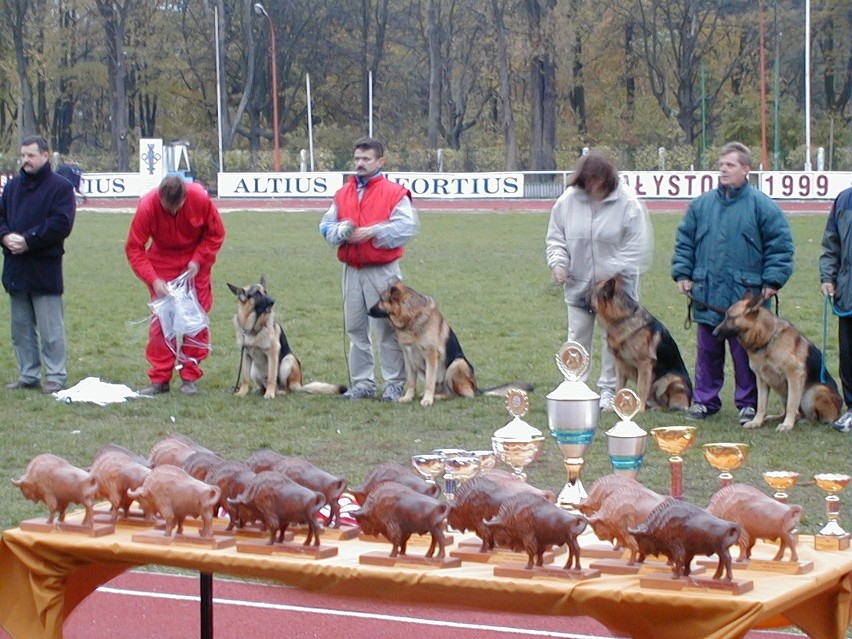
pixel 573 411
pixel 725 456
pixel 780 481
pixel 674 440
pixel 430 467
pixel 487 459
pixel 832 536
pixel 452 470
pixel 517 444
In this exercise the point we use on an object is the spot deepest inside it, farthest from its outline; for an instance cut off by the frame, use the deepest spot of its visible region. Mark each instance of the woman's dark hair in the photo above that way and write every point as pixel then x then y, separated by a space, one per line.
pixel 595 166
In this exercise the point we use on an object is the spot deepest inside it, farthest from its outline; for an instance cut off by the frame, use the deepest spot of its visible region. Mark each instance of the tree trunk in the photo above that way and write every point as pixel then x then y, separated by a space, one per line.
pixel 542 68
pixel 507 117
pixel 14 15
pixel 435 63
pixel 114 17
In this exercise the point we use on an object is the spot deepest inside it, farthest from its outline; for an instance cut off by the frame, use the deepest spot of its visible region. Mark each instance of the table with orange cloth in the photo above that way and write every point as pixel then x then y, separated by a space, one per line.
pixel 43 576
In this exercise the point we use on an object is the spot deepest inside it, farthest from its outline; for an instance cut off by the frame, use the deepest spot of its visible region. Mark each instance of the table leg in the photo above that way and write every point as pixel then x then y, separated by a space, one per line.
pixel 206 590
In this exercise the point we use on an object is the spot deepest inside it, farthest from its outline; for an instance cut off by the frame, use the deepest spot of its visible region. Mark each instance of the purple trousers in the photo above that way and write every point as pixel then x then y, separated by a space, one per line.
pixel 710 372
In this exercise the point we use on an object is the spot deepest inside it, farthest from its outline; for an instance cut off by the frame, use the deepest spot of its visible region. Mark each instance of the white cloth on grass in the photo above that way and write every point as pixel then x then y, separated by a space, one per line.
pixel 95 391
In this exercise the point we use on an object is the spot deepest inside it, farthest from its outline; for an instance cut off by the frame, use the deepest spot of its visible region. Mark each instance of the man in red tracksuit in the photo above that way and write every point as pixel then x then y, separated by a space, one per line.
pixel 176 229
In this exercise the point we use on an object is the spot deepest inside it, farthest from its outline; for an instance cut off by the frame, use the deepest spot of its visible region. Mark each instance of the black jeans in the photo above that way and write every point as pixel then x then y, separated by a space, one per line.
pixel 844 330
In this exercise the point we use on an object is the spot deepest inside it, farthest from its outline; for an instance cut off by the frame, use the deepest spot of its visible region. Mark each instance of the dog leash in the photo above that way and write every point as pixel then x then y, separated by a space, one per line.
pixel 687 323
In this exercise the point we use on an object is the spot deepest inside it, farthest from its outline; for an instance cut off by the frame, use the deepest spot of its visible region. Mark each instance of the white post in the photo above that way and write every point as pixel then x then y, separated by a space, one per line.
pixel 218 88
pixel 310 121
pixel 807 85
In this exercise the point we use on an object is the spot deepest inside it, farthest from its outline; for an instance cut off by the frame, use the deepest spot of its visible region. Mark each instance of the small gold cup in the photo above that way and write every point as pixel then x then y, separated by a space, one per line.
pixel 780 481
pixel 674 440
pixel 832 536
pixel 726 456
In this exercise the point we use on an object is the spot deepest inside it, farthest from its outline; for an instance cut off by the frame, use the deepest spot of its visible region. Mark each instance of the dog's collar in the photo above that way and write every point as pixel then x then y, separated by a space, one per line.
pixel 757 349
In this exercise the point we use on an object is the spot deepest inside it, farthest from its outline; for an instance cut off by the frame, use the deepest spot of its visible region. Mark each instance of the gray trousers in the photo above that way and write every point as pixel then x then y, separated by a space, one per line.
pixel 38 336
pixel 581 327
pixel 361 290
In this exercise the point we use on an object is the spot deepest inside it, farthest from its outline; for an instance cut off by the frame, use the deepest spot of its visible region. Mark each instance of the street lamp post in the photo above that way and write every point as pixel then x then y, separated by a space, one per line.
pixel 260 10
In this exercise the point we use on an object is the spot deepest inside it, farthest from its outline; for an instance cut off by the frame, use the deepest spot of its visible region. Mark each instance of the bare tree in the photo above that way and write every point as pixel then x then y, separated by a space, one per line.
pixel 15 19
pixel 507 117
pixel 542 78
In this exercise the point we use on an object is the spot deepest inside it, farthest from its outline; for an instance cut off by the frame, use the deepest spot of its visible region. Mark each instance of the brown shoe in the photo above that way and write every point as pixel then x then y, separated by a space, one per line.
pixel 22 385
pixel 48 388
pixel 156 388
pixel 189 388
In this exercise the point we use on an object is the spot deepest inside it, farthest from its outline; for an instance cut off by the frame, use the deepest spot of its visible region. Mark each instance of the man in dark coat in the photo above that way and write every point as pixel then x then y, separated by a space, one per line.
pixel 36 215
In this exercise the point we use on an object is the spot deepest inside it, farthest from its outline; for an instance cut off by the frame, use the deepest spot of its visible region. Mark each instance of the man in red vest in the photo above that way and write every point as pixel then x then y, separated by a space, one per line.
pixel 370 221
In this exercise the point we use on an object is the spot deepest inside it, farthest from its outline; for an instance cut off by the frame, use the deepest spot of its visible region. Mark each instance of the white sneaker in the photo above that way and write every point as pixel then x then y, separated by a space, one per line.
pixel 844 424
pixel 607 397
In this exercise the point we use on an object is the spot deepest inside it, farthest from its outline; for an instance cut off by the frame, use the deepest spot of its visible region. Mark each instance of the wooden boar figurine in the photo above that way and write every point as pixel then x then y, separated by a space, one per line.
pixel 278 502
pixel 174 449
pixel 529 522
pixel 233 478
pixel 480 498
pixel 172 493
pixel 199 464
pixel 117 475
pixel 397 512
pixel 305 473
pixel 680 531
pixel 57 483
pixel 759 517
pixel 625 507
pixel 602 488
pixel 264 459
pixel 396 473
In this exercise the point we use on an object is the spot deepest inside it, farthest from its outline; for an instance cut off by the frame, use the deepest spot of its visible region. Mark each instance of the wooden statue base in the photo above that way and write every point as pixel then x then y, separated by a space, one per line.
pixel 519 571
pixel 378 558
pixel 621 567
pixel 252 531
pixel 133 518
pixel 469 553
pixel 665 581
pixel 604 551
pixel 765 565
pixel 414 540
pixel 342 533
pixel 287 548
pixel 151 537
pixel 830 542
pixel 39 524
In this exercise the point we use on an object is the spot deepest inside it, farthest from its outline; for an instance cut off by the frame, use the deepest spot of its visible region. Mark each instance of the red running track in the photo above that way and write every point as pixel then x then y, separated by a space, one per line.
pixel 149 605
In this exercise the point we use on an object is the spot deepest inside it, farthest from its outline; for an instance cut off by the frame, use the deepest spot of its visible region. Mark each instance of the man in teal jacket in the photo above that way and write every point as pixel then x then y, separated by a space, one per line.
pixel 731 241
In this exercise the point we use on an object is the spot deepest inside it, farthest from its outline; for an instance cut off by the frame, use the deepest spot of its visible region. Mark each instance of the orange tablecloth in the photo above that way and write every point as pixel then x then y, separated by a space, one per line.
pixel 43 576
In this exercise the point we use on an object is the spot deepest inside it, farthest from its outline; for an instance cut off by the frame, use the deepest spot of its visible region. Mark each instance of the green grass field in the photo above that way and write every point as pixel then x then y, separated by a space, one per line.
pixel 488 273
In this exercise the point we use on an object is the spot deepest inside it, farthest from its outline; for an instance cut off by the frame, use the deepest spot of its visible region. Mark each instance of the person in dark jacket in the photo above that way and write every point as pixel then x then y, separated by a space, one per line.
pixel 835 275
pixel 36 215
pixel 731 241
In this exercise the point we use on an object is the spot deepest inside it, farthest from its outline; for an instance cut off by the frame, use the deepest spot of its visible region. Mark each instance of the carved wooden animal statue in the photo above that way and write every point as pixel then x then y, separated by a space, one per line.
pixel 625 507
pixel 174 449
pixel 279 501
pixel 172 493
pixel 397 512
pixel 396 473
pixel 480 498
pixel 233 478
pixel 115 448
pixel 57 483
pixel 264 459
pixel 759 517
pixel 602 488
pixel 200 463
pixel 117 474
pixel 680 531
pixel 307 474
pixel 529 522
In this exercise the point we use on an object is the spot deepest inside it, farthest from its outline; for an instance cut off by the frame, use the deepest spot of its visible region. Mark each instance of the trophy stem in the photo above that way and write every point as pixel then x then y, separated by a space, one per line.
pixel 572 493
pixel 781 497
pixel 450 487
pixel 676 469
pixel 725 479
pixel 832 508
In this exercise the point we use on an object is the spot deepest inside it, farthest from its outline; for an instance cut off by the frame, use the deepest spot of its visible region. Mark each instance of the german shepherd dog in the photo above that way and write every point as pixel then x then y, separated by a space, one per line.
pixel 431 348
pixel 783 360
pixel 644 350
pixel 267 360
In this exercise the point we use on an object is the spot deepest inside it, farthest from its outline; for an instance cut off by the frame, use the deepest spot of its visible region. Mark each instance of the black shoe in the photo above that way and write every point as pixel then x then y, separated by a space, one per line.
pixel 156 388
pixel 697 411
pixel 22 385
pixel 48 388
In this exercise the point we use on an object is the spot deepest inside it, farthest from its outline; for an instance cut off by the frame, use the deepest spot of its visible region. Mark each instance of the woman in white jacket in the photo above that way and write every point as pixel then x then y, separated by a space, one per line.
pixel 598 228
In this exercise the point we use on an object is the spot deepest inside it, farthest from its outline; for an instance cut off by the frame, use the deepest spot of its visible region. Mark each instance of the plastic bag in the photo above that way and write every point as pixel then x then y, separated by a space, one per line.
pixel 179 312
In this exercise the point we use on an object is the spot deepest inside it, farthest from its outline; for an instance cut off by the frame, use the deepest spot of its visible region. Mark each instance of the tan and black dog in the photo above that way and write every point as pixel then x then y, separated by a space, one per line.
pixel 782 360
pixel 644 350
pixel 267 360
pixel 431 348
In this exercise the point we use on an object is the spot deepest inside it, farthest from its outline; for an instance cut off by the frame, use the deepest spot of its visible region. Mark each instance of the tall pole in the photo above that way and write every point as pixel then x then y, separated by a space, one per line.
pixel 370 101
pixel 218 88
pixel 776 108
pixel 807 85
pixel 310 120
pixel 763 146
pixel 261 10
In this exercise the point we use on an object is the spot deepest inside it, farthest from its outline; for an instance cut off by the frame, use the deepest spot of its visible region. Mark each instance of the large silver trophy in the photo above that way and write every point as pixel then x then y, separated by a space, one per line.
pixel 572 414
pixel 625 441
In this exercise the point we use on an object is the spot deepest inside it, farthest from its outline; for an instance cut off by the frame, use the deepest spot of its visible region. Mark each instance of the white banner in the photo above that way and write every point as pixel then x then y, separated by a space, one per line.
pixel 95 185
pixel 461 185
pixel 795 185
pixel 279 185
